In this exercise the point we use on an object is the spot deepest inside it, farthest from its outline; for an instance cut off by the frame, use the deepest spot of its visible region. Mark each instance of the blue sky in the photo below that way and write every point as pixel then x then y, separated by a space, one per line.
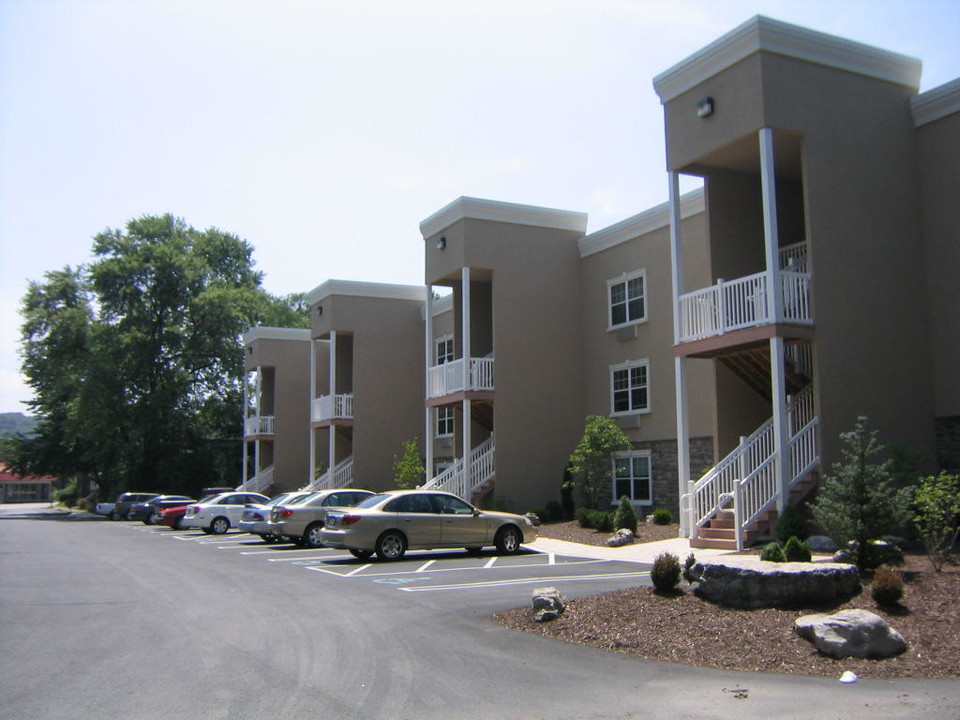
pixel 324 132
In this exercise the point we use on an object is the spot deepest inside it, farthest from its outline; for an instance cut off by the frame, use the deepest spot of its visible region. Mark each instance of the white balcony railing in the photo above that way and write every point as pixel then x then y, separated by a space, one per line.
pixel 258 425
pixel 331 407
pixel 449 377
pixel 742 303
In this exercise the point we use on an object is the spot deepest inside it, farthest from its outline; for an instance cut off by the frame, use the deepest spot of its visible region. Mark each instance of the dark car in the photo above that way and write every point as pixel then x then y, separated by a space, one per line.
pixel 121 509
pixel 147 511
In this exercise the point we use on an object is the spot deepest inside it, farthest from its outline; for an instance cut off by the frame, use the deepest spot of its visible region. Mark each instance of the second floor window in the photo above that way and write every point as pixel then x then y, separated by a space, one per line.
pixel 627 295
pixel 444 350
pixel 629 387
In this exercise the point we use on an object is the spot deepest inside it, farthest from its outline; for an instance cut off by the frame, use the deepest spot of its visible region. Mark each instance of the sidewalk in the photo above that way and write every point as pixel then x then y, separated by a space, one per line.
pixel 637 552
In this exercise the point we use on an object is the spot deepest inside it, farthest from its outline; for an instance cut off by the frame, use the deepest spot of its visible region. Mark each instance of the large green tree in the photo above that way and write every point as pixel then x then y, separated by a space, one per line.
pixel 591 462
pixel 136 362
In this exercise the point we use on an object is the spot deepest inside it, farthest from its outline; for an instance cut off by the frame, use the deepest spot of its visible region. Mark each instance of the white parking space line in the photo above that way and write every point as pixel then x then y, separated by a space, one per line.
pixel 490 562
pixel 472 568
pixel 423 567
pixel 519 581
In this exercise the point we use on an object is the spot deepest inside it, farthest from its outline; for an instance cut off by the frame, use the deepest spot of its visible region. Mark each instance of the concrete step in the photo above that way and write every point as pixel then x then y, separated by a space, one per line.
pixel 713 543
pixel 718 533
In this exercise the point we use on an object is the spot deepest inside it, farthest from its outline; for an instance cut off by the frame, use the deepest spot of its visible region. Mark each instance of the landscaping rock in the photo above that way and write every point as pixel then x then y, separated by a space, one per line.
pixel 851 633
pixel 821 544
pixel 745 582
pixel 879 552
pixel 547 604
pixel 623 536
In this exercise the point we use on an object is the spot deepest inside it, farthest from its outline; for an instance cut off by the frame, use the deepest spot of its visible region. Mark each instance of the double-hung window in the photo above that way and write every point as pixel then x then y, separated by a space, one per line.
pixel 445 421
pixel 445 349
pixel 629 387
pixel 631 476
pixel 627 296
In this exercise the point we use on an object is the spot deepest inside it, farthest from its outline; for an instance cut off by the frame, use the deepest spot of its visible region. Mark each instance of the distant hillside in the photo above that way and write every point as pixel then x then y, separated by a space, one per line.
pixel 13 423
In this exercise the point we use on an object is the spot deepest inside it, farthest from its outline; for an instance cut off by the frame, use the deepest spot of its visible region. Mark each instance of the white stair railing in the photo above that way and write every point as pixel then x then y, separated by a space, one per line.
pixel 340 477
pixel 259 482
pixel 747 477
pixel 454 479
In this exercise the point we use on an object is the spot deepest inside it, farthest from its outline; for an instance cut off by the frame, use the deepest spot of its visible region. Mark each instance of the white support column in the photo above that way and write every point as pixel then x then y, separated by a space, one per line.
pixel 331 432
pixel 428 362
pixel 683 423
pixel 246 449
pixel 768 186
pixel 771 235
pixel 313 433
pixel 256 443
pixel 465 345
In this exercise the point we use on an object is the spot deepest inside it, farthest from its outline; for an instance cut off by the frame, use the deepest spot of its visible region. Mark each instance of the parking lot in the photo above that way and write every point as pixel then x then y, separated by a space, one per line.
pixel 439 571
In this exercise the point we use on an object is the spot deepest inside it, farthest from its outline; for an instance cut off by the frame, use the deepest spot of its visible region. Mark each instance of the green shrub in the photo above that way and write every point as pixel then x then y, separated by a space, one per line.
pixel 687 565
pixel 887 586
pixel 625 516
pixel 585 517
pixel 553 512
pixel 666 572
pixel 791 523
pixel 603 521
pixel 772 552
pixel 796 550
pixel 662 516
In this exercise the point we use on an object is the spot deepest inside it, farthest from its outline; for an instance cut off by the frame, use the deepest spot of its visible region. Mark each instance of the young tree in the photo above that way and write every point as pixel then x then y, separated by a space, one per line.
pixel 857 501
pixel 592 461
pixel 407 467
pixel 937 515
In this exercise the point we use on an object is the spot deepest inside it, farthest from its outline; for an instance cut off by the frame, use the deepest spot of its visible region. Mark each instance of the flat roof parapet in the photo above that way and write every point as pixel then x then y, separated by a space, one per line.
pixel 354 288
pixel 478 209
pixel 260 332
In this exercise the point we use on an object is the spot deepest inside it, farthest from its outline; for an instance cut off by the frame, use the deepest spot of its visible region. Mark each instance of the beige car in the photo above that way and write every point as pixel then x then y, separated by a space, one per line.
pixel 303 522
pixel 390 523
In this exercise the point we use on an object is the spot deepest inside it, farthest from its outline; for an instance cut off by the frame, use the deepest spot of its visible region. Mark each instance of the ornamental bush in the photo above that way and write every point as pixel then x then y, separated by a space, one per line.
pixel 796 550
pixel 666 572
pixel 662 516
pixel 792 521
pixel 887 586
pixel 625 516
pixel 772 552
pixel 687 566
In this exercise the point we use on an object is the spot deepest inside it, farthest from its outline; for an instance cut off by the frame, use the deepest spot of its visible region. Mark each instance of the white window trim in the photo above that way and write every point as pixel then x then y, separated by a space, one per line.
pixel 436 427
pixel 627 366
pixel 632 454
pixel 623 279
pixel 436 349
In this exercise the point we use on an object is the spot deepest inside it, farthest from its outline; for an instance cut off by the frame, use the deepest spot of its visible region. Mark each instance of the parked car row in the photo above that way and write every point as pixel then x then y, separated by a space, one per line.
pixel 364 523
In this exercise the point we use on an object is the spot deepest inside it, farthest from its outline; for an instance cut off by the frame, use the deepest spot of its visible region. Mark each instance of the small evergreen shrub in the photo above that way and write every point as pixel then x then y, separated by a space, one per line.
pixel 625 516
pixel 585 517
pixel 772 552
pixel 553 512
pixel 666 572
pixel 791 523
pixel 603 521
pixel 796 550
pixel 887 586
pixel 687 565
pixel 662 516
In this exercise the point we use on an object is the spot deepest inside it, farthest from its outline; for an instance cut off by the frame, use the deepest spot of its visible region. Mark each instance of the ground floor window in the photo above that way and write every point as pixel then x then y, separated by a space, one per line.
pixel 445 420
pixel 631 477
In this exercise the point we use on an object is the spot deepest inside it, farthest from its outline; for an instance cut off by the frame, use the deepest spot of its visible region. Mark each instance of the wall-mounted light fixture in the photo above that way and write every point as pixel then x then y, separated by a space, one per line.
pixel 705 107
pixel 441 242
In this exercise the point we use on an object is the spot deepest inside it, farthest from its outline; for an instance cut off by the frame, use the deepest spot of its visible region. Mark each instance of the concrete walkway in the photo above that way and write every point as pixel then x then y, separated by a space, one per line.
pixel 637 552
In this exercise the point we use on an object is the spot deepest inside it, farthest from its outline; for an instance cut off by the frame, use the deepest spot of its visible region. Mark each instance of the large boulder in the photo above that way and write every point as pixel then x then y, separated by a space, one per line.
pixel 745 582
pixel 851 633
pixel 623 536
pixel 547 604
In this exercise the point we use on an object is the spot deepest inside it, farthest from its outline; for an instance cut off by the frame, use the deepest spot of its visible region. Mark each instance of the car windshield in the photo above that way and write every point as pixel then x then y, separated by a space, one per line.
pixel 301 499
pixel 374 500
pixel 278 499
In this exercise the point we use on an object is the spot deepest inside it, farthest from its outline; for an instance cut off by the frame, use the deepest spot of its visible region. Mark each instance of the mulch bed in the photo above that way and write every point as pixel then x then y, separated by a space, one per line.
pixel 682 628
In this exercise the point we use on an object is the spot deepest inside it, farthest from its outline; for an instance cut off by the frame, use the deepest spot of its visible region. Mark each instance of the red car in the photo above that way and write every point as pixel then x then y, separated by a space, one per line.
pixel 172 517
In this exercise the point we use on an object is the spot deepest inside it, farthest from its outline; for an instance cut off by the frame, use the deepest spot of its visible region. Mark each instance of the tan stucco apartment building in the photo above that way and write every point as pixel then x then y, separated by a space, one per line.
pixel 733 332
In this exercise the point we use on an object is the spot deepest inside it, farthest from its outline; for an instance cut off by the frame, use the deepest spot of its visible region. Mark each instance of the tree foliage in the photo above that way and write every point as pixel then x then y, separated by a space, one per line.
pixel 858 501
pixel 135 360
pixel 937 515
pixel 592 460
pixel 407 467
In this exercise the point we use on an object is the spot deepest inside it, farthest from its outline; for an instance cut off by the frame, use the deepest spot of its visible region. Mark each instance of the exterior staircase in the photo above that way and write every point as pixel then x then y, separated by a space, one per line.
pixel 481 478
pixel 340 477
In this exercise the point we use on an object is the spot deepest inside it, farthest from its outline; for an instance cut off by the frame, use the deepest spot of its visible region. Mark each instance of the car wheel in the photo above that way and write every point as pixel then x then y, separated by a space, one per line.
pixel 508 540
pixel 150 519
pixel 361 554
pixel 270 539
pixel 113 515
pixel 312 537
pixel 219 525
pixel 391 545
pixel 178 524
pixel 207 531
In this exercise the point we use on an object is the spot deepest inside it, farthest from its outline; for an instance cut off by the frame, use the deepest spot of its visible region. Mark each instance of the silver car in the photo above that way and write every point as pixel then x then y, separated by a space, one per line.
pixel 256 517
pixel 393 522
pixel 302 522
